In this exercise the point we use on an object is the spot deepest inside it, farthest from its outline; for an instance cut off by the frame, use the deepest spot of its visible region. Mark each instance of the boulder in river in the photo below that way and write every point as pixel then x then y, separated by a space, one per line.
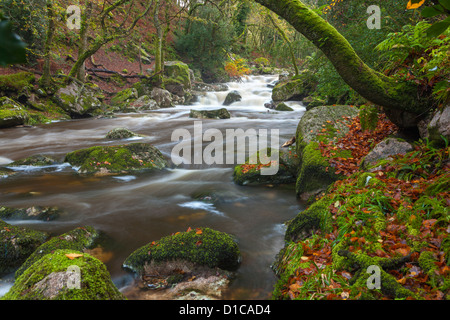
pixel 162 97
pixel 37 160
pixel 232 97
pixel 31 213
pixel 16 245
pixel 12 113
pixel 120 133
pixel 324 123
pixel 79 239
pixel 210 114
pixel 283 107
pixel 190 261
pixel 77 100
pixel 107 160
pixel 55 277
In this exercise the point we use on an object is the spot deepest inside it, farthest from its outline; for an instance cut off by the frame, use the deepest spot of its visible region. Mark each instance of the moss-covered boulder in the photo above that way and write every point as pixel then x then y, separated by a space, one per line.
pixel 120 133
pixel 12 113
pixel 17 82
pixel 162 97
pixel 16 245
pixel 123 98
pixel 79 239
pixel 311 102
pixel 5 172
pixel 201 246
pixel 142 104
pixel 31 213
pixel 250 174
pixel 222 113
pixel 38 160
pixel 55 277
pixel 324 123
pixel 136 157
pixel 283 107
pixel 77 100
pixel 178 71
pixel 288 90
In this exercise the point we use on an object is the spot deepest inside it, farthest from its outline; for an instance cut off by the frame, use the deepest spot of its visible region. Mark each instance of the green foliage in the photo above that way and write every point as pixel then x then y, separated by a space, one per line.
pixel 12 48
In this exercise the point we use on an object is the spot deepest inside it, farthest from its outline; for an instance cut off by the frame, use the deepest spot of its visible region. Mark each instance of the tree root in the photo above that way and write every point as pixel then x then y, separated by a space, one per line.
pixel 388 284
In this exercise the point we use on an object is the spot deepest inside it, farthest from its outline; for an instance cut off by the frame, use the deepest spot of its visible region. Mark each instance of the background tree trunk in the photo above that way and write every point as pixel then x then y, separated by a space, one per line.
pixel 46 79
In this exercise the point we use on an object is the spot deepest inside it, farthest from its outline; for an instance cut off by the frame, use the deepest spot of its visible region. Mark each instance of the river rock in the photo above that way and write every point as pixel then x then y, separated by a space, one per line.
pixel 79 239
pixel 385 150
pixel 162 97
pixel 12 113
pixel 202 247
pixel 49 277
pixel 232 97
pixel 315 173
pixel 288 90
pixel 120 133
pixel 249 174
pixel 77 100
pixel 196 264
pixel 107 160
pixel 283 107
pixel 31 213
pixel 38 160
pixel 143 103
pixel 16 245
pixel 210 114
pixel 206 87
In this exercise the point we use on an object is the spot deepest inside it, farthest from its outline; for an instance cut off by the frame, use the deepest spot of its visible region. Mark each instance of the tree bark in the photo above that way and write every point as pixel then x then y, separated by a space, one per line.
pixel 158 43
pixel 377 88
pixel 46 76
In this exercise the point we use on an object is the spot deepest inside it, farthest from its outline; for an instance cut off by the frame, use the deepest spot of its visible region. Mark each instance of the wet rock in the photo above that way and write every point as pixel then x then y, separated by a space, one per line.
pixel 12 113
pixel 120 133
pixel 52 278
pixel 31 213
pixel 16 245
pixel 206 87
pixel 210 114
pixel 438 125
pixel 5 172
pixel 162 97
pixel 107 160
pixel 38 160
pixel 283 107
pixel 270 105
pixel 232 97
pixel 78 239
pixel 385 150
pixel 288 90
pixel 250 174
pixel 77 100
pixel 144 103
pixel 202 247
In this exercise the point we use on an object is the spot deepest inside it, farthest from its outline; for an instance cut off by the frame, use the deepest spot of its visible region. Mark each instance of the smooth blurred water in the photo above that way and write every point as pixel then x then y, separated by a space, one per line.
pixel 134 210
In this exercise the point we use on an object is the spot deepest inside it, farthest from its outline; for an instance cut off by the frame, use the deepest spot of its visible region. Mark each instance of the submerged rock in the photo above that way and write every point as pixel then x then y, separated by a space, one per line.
pixel 31 213
pixel 283 107
pixel 16 245
pixel 108 160
pixel 210 114
pixel 54 277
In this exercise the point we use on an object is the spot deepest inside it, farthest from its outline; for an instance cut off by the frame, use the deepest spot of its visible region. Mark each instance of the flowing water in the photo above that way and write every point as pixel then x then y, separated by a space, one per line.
pixel 134 210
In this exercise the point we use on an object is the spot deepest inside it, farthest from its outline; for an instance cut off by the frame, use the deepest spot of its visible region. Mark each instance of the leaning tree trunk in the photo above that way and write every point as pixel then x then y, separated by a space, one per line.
pixel 401 100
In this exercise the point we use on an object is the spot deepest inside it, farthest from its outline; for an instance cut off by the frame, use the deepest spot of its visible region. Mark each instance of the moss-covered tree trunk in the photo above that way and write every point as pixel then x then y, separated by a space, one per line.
pixel 372 85
pixel 158 44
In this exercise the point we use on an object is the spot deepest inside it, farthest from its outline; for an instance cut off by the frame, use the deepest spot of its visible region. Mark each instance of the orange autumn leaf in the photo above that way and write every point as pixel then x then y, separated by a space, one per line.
pixel 411 5
pixel 198 231
pixel 72 256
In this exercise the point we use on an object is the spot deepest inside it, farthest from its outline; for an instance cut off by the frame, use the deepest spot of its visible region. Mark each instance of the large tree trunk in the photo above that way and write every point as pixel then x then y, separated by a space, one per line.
pixel 46 79
pixel 401 99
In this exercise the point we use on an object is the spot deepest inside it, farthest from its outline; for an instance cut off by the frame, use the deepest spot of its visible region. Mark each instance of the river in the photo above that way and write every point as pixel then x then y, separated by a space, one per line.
pixel 134 210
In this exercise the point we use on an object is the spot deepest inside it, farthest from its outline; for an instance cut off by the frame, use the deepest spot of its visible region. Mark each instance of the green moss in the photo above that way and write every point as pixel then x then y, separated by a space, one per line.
pixel 124 97
pixel 117 159
pixel 16 245
pixel 35 160
pixel 16 82
pixel 48 278
pixel 209 248
pixel 179 72
pixel 120 133
pixel 283 107
pixel 77 239
pixel 316 174
pixel 368 117
pixel 285 91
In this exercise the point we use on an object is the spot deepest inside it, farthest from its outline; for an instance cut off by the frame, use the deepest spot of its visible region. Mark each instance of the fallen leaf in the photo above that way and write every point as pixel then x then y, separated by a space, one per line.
pixel 72 256
pixel 198 231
